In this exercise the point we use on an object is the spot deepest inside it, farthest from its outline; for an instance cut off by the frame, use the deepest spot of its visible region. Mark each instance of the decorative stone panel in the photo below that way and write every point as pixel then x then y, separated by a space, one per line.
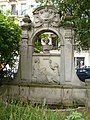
pixel 46 16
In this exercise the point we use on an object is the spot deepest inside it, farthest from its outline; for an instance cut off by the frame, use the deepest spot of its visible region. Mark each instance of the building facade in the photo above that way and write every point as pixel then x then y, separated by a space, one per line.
pixel 18 8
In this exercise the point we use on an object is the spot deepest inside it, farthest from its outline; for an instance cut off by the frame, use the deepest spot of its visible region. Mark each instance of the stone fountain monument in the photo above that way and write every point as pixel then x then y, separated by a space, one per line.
pixel 47 77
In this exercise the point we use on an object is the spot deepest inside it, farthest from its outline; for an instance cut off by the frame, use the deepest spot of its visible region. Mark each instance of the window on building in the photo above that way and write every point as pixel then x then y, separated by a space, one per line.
pixel 23 8
pixel 13 9
pixel 79 62
pixel 3 7
pixel 12 0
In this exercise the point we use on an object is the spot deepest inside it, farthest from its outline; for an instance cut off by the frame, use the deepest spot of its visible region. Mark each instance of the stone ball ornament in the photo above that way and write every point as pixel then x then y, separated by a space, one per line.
pixel 26 19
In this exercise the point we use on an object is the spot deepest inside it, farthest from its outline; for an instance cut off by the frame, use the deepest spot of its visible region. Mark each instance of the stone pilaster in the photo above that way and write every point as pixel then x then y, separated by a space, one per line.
pixel 24 48
pixel 68 53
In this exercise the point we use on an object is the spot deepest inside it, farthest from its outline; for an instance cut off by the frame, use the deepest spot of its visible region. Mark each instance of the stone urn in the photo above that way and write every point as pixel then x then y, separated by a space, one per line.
pixel 46 48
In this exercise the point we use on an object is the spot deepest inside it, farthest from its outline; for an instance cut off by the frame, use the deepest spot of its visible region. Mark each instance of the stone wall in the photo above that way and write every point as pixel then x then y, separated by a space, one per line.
pixel 64 96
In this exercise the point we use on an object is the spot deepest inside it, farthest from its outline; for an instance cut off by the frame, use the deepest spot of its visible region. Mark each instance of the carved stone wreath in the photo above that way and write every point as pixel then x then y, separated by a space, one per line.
pixel 46 15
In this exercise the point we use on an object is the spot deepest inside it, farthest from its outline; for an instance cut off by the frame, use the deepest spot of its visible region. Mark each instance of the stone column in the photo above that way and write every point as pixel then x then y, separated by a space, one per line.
pixel 68 53
pixel 62 65
pixel 23 51
pixel 29 62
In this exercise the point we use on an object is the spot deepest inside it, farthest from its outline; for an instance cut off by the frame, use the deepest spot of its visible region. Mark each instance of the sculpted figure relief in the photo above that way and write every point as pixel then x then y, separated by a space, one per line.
pixel 46 73
pixel 39 75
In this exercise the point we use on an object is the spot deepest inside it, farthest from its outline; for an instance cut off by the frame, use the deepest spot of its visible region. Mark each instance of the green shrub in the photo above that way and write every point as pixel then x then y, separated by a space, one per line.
pixel 75 116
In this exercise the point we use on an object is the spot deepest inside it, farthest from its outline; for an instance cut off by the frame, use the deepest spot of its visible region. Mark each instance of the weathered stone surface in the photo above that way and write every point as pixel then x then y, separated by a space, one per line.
pixel 63 96
pixel 24 93
pixel 40 95
pixel 3 92
pixel 79 96
pixel 13 92
pixel 88 93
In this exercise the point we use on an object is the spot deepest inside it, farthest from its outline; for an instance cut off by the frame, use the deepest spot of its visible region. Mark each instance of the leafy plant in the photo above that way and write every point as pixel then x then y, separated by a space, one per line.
pixel 44 36
pixel 10 34
pixel 75 116
pixel 38 47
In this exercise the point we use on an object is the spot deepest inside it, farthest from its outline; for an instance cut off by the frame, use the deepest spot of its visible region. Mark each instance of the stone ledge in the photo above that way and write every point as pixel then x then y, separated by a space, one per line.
pixel 28 84
pixel 48 54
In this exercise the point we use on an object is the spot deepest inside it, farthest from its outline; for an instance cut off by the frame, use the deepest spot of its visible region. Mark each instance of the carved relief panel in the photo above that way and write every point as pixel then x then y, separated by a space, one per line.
pixel 46 69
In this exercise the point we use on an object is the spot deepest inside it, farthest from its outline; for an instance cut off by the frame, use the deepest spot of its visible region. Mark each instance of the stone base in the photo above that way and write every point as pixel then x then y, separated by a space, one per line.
pixel 46 94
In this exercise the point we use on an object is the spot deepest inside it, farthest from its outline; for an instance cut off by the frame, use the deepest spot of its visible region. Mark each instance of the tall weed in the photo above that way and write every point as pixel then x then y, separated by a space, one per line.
pixel 19 111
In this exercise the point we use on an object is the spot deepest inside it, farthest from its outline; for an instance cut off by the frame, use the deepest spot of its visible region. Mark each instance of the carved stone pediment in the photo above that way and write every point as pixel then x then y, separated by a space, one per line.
pixel 46 15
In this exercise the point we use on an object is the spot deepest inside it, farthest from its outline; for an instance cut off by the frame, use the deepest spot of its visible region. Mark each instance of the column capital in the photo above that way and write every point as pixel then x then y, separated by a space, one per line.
pixel 27 23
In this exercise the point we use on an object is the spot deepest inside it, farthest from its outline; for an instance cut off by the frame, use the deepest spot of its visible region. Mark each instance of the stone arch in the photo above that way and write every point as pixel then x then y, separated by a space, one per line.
pixel 33 36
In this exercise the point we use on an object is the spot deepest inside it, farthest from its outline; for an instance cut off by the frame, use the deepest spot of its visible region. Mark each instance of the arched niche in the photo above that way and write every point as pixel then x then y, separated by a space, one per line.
pixel 45 66
pixel 42 30
pixel 36 32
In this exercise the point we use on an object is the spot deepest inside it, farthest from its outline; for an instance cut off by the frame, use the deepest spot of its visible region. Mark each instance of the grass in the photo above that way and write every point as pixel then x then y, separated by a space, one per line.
pixel 24 111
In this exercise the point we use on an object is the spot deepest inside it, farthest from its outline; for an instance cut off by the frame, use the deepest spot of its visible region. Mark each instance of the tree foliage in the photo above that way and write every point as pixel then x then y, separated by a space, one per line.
pixel 80 12
pixel 10 33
